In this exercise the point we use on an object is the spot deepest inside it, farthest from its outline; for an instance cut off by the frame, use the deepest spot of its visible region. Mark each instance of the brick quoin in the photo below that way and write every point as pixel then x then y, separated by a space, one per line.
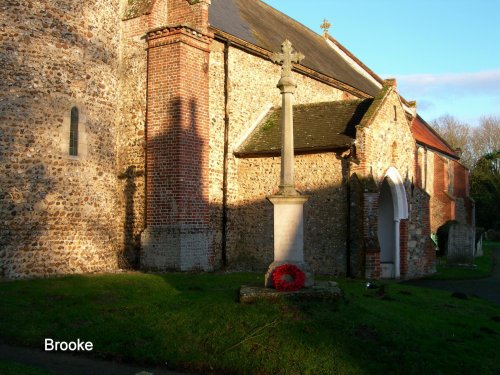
pixel 460 180
pixel 403 247
pixel 372 265
pixel 370 236
pixel 441 202
pixel 153 17
pixel 418 164
pixel 183 13
pixel 430 253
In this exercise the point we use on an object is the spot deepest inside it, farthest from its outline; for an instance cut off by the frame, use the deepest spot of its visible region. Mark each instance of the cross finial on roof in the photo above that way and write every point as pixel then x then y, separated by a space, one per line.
pixel 325 26
pixel 286 58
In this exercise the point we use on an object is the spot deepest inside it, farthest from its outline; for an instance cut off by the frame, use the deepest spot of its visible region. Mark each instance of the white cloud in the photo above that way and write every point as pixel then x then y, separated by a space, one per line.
pixel 467 96
pixel 453 84
pixel 424 105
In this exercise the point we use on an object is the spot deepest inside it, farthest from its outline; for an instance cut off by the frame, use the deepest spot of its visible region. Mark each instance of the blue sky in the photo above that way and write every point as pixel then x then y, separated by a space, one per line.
pixel 445 54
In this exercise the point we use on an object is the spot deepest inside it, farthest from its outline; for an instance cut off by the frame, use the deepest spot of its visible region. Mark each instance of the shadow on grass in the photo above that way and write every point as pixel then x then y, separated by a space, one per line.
pixel 193 322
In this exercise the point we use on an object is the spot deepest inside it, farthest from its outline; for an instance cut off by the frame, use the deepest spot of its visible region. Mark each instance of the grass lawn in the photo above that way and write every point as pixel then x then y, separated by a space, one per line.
pixel 13 368
pixel 193 322
pixel 483 267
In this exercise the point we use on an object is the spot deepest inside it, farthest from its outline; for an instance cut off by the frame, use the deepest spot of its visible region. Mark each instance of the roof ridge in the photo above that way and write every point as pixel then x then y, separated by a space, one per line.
pixel 330 102
pixel 374 75
pixel 260 25
pixel 339 101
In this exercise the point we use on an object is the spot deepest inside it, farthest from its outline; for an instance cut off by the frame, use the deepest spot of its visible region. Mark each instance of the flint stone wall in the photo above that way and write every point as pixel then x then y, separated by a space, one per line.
pixel 61 214
pixel 57 212
pixel 252 87
pixel 250 239
pixel 388 142
pixel 130 142
pixel 421 253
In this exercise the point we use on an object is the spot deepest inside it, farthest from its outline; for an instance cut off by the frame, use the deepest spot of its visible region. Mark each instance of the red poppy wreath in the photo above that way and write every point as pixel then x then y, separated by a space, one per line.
pixel 288 278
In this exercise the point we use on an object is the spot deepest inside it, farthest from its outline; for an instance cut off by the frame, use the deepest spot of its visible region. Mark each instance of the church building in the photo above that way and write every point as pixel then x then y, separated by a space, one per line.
pixel 146 134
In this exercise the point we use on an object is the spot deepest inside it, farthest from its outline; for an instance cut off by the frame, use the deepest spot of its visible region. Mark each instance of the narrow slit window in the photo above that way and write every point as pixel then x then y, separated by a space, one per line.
pixel 73 132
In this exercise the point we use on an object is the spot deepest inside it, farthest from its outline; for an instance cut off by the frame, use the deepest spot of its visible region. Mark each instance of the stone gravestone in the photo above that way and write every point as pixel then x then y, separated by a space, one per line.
pixel 479 244
pixel 461 245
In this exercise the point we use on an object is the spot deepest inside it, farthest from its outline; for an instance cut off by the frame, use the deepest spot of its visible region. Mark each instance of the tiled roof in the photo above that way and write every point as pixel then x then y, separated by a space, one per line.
pixel 317 127
pixel 261 25
pixel 424 134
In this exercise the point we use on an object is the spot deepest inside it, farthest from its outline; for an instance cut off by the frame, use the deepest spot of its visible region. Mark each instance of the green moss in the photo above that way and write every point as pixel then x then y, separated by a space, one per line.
pixel 374 107
pixel 136 8
pixel 268 125
pixel 272 121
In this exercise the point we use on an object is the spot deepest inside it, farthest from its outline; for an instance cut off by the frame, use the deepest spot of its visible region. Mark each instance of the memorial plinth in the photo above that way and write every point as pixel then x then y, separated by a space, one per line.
pixel 288 227
pixel 289 235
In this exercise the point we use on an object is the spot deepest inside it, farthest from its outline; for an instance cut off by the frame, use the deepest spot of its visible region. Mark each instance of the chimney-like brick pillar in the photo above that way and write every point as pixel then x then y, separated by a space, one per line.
pixel 193 13
pixel 177 236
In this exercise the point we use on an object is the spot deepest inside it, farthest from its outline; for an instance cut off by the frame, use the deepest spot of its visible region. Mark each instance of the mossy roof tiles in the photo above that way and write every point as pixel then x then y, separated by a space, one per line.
pixel 317 127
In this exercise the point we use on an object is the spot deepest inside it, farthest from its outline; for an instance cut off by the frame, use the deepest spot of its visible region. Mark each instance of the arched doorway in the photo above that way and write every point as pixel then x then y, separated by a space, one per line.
pixel 392 207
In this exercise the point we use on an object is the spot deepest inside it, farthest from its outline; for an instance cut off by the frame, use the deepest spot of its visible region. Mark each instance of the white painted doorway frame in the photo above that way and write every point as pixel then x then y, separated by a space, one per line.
pixel 398 191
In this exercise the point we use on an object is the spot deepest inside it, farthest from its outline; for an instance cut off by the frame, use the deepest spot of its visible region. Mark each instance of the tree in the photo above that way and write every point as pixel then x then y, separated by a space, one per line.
pixel 486 137
pixel 457 134
pixel 485 190
pixel 475 142
pixel 481 154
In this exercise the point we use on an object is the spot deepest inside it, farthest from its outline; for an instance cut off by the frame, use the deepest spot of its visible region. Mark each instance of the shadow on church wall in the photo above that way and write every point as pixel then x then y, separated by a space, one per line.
pixel 177 189
pixel 178 194
pixel 250 232
pixel 37 184
pixel 131 224
pixel 327 232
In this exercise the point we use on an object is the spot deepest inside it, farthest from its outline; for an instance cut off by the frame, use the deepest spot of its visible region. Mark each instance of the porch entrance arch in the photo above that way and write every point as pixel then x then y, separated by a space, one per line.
pixel 392 208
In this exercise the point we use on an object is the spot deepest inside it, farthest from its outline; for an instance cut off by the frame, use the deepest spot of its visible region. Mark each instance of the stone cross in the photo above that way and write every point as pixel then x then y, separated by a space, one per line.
pixel 325 26
pixel 287 86
pixel 286 58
